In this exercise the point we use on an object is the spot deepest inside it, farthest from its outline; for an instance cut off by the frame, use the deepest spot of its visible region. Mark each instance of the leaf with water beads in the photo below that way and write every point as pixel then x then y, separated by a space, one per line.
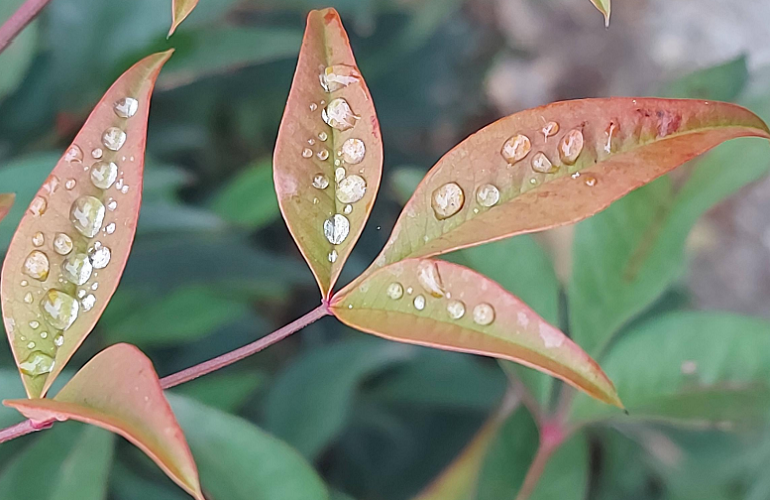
pixel 439 304
pixel 604 6
pixel 328 156
pixel 119 390
pixel 180 9
pixel 555 165
pixel 71 246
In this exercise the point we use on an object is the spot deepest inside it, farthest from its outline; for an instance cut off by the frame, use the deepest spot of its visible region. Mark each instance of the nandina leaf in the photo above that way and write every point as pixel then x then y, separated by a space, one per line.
pixel 604 6
pixel 180 9
pixel 623 143
pixel 119 390
pixel 327 220
pixel 72 244
pixel 6 202
pixel 416 301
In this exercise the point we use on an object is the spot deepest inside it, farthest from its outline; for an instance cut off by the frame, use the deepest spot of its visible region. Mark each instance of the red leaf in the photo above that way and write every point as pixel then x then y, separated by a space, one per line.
pixel 180 9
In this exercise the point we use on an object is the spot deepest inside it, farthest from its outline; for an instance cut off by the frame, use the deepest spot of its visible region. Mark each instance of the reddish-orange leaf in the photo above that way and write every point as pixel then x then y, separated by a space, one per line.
pixel 180 9
pixel 328 157
pixel 440 304
pixel 70 248
pixel 556 165
pixel 6 202
pixel 120 391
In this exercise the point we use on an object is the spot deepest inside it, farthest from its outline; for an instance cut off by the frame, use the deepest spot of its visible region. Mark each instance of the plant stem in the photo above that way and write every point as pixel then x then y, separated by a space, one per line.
pixel 19 20
pixel 28 426
pixel 536 469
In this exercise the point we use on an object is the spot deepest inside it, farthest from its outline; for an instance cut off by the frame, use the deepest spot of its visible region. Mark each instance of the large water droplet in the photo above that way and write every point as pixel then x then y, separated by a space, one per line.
pixel 550 129
pixel 353 151
pixel 126 107
pixel 38 206
pixel 88 302
pixel 487 195
pixel 62 244
pixel 336 229
pixel 541 164
pixel 339 115
pixel 113 138
pixel 395 291
pixel 571 146
pixel 351 189
pixel 456 309
pixel 74 154
pixel 36 265
pixel 338 77
pixel 100 257
pixel 77 268
pixel 430 279
pixel 483 314
pixel 419 302
pixel 38 239
pixel 87 215
pixel 104 174
pixel 516 148
pixel 447 200
pixel 59 309
pixel 37 363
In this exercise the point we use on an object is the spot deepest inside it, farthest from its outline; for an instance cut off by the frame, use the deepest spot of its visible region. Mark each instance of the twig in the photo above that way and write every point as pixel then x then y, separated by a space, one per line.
pixel 19 20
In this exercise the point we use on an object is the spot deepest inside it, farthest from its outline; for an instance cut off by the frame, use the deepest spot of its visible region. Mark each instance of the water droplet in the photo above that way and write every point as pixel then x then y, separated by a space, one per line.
pixel 353 151
pixel 28 298
pixel 575 175
pixel 447 200
pixel 610 135
pixel 351 189
pixel 88 302
pixel 70 184
pixel 339 115
pixel 37 363
pixel 100 257
pixel 311 142
pixel 332 256
pixel 307 153
pixel 533 181
pixel 58 341
pixel 36 265
pixel 59 309
pixel 95 286
pixel 419 302
pixel 487 195
pixel 43 335
pixel 113 138
pixel 590 180
pixel 81 293
pixel 483 314
pixel 456 309
pixel 126 107
pixel 38 206
pixel 38 239
pixel 336 229
pixel 62 244
pixel 571 146
pixel 541 164
pixel 313 106
pixel 348 209
pixel 110 228
pixel 339 174
pixel 550 129
pixel 315 201
pixel 74 154
pixel 51 184
pixel 338 77
pixel 409 290
pixel 322 136
pixel 124 189
pixel 87 215
pixel 77 268
pixel 34 325
pixel 323 155
pixel 104 174
pixel 112 205
pixel 516 148
pixel 395 291
pixel 24 282
pixel 430 279
pixel 97 153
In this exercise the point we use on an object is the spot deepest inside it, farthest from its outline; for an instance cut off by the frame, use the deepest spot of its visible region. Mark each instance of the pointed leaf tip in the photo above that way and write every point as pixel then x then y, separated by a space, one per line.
pixel 119 390
pixel 180 9
pixel 328 156
pixel 443 305
pixel 604 6
pixel 70 248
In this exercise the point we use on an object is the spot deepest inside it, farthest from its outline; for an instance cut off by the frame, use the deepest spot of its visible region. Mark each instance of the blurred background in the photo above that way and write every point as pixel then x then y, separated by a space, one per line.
pixel 214 267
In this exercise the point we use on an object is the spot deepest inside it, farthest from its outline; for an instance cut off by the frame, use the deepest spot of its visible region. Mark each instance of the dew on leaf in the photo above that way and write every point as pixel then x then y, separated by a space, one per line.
pixel 38 239
pixel 551 338
pixel 36 265
pixel 550 129
pixel 104 174
pixel 59 309
pixel 323 155
pixel 126 107
pixel 62 244
pixel 322 136
pixel 332 256
pixel 77 268
pixel 516 148
pixel 395 291
pixel 88 302
pixel 590 181
pixel 483 314
pixel 339 115
pixel 351 189
pixel 313 106
pixel 337 77
pixel 307 153
pixel 38 206
pixel 339 174
pixel 28 298
pixel 43 335
pixel 541 164
pixel 456 309
pixel 430 279
pixel 320 181
pixel 571 146
pixel 419 302
pixel 447 200
pixel 87 215
pixel 74 154
pixel 110 228
pixel 347 209
pixel 610 135
pixel 353 151
pixel 112 205
pixel 487 195
pixel 34 325
pixel 58 341
pixel 37 363
pixel 70 184
pixel 97 153
pixel 113 138
pixel 51 184
pixel 336 229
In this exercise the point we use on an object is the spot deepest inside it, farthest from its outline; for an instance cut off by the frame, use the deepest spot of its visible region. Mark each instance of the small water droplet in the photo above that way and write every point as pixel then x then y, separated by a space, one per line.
pixel 323 155
pixel 87 215
pixel 533 181
pixel 353 151
pixel 74 154
pixel 483 314
pixel 541 164
pixel 550 129
pixel 336 229
pixel 43 335
pixel 88 302
pixel 24 283
pixel 430 279
pixel 339 115
pixel 104 174
pixel 571 146
pixel 59 309
pixel 339 174
pixel 610 135
pixel 112 205
pixel 313 106
pixel 337 77
pixel 311 142
pixel 51 184
pixel 456 309
pixel 126 107
pixel 77 268
pixel 307 153
pixel 332 256
pixel 590 180
pixel 58 341
pixel 351 189
pixel 419 302
pixel 95 286
pixel 409 290
pixel 100 257
pixel 36 265
pixel 395 291
pixel 81 293
pixel 113 138
pixel 34 325
pixel 62 244
pixel 28 298
pixel 516 148
pixel 322 136
pixel 70 184
pixel 38 206
pixel 97 153
pixel 347 210
pixel 31 345
pixel 488 195
pixel 37 363
pixel 38 239
pixel 447 200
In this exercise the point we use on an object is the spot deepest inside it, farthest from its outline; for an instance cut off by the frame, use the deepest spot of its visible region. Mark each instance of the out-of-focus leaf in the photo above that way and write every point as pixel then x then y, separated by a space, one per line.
pixel 180 9
pixel 120 391
pixel 6 203
pixel 79 227
pixel 309 402
pixel 64 463
pixel 226 392
pixel 329 121
pixel 595 150
pixel 723 82
pixel 125 484
pixel 404 180
pixel 169 217
pixel 694 368
pixel 447 306
pixel 10 388
pixel 238 461
pixel 17 57
pixel 604 6
pixel 249 200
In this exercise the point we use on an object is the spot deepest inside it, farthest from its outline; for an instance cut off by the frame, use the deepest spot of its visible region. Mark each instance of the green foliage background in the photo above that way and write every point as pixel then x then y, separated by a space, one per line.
pixel 332 413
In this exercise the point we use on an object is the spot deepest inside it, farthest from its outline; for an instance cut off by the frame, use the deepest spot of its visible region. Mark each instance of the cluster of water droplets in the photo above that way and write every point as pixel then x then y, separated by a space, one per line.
pixel 60 304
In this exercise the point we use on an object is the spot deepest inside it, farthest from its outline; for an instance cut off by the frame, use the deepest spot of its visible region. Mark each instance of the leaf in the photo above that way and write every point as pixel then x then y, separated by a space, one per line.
pixel 6 203
pixel 723 82
pixel 120 391
pixel 249 200
pixel 490 322
pixel 61 465
pixel 180 9
pixel 227 391
pixel 646 138
pixel 309 403
pixel 318 218
pixel 604 7
pixel 689 368
pixel 96 226
pixel 238 461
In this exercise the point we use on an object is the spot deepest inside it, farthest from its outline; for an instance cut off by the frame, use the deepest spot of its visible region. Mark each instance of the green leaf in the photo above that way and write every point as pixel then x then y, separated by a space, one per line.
pixel 10 388
pixel 309 403
pixel 723 82
pixel 249 200
pixel 604 6
pixel 17 57
pixel 694 368
pixel 64 463
pixel 238 461
pixel 227 391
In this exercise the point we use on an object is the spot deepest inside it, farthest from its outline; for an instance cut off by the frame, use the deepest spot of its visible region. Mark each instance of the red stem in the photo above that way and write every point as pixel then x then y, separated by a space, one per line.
pixel 28 426
pixel 19 20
